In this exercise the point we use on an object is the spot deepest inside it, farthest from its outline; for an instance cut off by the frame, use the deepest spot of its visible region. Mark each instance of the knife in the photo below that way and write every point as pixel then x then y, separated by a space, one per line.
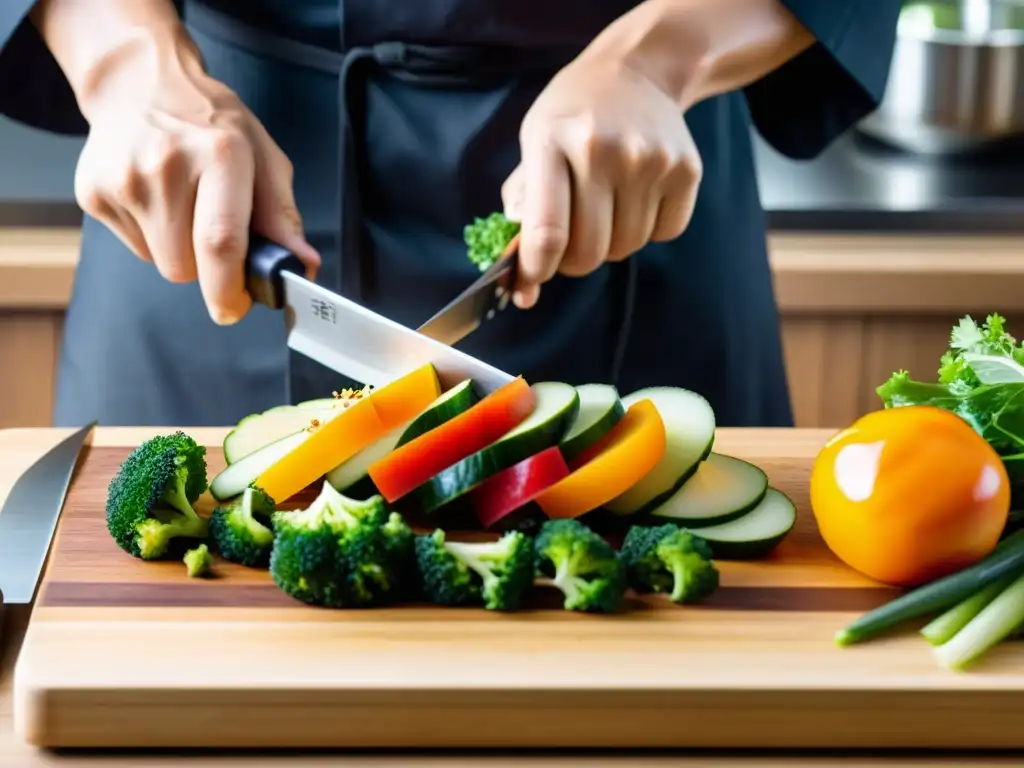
pixel 29 516
pixel 347 337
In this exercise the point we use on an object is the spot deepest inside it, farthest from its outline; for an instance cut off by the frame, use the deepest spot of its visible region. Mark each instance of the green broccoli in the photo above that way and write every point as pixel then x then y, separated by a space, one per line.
pixel 240 530
pixel 488 238
pixel 584 566
pixel 342 553
pixel 667 558
pixel 198 561
pixel 495 574
pixel 150 499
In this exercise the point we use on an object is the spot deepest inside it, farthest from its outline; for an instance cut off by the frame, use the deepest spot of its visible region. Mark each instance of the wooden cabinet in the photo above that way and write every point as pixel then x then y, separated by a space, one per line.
pixel 854 309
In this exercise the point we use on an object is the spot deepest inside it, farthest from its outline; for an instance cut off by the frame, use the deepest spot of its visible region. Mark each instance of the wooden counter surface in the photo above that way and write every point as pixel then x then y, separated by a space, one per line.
pixel 20 447
pixel 814 272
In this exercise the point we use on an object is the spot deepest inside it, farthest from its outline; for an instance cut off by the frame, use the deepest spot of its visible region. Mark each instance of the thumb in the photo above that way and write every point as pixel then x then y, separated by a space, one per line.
pixel 512 195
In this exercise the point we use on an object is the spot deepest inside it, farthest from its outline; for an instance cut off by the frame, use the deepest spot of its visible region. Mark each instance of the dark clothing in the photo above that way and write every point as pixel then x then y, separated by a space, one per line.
pixel 401 120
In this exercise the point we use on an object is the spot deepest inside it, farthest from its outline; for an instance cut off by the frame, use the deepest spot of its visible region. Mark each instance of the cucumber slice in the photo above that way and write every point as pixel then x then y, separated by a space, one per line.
pixel 350 472
pixel 600 410
pixel 238 476
pixel 447 406
pixel 318 404
pixel 261 429
pixel 556 408
pixel 755 534
pixel 722 489
pixel 689 433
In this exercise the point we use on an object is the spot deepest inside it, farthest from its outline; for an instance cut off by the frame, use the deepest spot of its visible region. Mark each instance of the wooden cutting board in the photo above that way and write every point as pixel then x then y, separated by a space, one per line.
pixel 121 653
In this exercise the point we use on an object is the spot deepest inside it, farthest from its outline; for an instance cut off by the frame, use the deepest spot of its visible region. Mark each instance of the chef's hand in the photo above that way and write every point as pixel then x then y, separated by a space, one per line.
pixel 607 165
pixel 174 163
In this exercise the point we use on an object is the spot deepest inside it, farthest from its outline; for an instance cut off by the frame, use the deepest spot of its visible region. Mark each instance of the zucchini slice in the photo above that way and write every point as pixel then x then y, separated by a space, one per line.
pixel 556 408
pixel 689 432
pixel 755 534
pixel 447 406
pixel 261 429
pixel 236 477
pixel 347 474
pixel 600 410
pixel 722 489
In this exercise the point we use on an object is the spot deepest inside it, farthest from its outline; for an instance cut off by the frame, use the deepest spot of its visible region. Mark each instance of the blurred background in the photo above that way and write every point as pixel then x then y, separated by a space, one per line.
pixel 878 246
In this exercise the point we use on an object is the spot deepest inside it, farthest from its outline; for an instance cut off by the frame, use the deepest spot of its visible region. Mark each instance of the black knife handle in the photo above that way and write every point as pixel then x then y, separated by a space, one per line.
pixel 265 262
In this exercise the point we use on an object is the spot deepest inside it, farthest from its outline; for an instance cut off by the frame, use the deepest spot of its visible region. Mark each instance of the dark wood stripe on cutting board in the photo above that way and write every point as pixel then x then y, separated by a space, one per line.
pixel 203 594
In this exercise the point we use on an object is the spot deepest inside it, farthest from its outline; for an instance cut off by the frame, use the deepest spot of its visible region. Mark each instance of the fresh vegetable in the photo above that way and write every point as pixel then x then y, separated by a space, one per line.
pixel 996 622
pixel 944 627
pixel 671 560
pixel 198 562
pixel 556 407
pixel 261 429
pixel 722 489
pixel 600 410
pixel 494 574
pixel 365 421
pixel 354 471
pixel 151 496
pixel 235 478
pixel 689 423
pixel 414 463
pixel 488 238
pixel 909 495
pixel 500 495
pixel 585 567
pixel 626 454
pixel 342 553
pixel 446 407
pixel 756 533
pixel 939 595
pixel 240 531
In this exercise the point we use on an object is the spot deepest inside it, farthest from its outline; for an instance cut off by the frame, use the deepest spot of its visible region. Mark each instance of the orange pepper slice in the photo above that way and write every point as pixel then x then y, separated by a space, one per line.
pixel 628 452
pixel 363 422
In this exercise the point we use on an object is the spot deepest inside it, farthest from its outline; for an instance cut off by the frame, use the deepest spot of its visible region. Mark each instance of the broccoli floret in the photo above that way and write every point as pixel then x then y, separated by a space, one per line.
pixel 198 561
pixel 667 558
pixel 584 566
pixel 495 574
pixel 342 553
pixel 487 239
pixel 150 498
pixel 240 530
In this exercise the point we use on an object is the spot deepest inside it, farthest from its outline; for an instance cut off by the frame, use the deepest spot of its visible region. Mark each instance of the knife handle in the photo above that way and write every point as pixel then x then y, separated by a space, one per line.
pixel 265 262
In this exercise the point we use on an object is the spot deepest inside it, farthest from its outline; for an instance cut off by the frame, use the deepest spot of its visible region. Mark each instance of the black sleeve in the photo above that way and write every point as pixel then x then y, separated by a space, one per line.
pixel 809 101
pixel 33 89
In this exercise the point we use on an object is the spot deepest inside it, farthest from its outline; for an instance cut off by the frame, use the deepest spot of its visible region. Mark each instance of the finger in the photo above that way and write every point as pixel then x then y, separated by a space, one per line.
pixel 593 207
pixel 117 220
pixel 220 229
pixel 512 195
pixel 635 215
pixel 679 197
pixel 527 297
pixel 547 200
pixel 275 214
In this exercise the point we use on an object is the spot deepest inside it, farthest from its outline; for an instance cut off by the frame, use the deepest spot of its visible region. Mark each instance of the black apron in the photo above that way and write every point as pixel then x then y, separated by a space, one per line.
pixel 414 143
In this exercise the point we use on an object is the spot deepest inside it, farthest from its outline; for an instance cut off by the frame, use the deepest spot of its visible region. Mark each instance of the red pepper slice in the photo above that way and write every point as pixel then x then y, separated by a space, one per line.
pixel 510 489
pixel 412 464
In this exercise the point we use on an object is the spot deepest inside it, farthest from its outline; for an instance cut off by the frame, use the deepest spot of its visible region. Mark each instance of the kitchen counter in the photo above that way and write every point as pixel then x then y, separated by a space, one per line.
pixel 19 448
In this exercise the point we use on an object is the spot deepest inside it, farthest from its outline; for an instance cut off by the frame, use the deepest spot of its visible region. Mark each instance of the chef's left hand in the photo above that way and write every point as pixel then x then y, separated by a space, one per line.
pixel 607 165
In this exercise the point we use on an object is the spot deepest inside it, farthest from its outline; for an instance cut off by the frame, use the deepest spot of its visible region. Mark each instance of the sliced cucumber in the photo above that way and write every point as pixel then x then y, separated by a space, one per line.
pixel 755 534
pixel 238 476
pixel 261 429
pixel 600 410
pixel 350 472
pixel 722 489
pixel 318 404
pixel 447 406
pixel 556 408
pixel 689 434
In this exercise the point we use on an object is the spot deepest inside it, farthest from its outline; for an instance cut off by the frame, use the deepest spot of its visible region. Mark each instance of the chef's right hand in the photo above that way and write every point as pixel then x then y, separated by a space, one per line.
pixel 180 170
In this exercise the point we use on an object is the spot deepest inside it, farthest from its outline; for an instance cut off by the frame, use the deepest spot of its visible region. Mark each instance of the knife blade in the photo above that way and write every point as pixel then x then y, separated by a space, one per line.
pixel 347 337
pixel 29 517
pixel 482 301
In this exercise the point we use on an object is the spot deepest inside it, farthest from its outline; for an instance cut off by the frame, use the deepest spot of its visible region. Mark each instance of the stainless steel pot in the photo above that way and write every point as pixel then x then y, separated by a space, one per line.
pixel 957 78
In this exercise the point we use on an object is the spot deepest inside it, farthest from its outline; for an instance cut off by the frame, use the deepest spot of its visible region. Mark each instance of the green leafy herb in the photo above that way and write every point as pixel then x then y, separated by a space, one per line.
pixel 487 239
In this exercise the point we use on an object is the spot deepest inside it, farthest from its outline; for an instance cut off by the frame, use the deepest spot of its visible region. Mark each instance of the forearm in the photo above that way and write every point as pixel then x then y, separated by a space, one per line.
pixel 695 49
pixel 116 48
